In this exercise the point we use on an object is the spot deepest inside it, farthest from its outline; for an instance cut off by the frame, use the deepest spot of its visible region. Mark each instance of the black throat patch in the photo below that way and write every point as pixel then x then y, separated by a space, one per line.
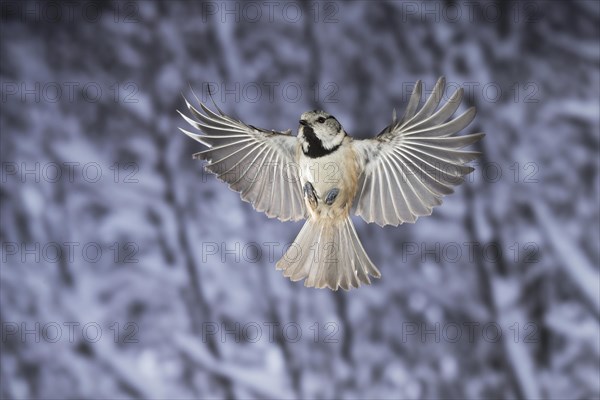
pixel 315 147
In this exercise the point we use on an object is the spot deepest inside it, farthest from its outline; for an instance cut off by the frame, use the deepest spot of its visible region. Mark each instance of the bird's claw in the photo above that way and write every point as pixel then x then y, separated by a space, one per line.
pixel 310 195
pixel 331 196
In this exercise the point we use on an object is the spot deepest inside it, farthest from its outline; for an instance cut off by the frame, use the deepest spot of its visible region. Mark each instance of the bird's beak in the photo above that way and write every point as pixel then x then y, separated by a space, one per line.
pixel 303 122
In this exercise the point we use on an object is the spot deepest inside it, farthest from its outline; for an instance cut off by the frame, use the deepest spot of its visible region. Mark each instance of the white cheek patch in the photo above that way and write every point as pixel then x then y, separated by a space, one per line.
pixel 330 143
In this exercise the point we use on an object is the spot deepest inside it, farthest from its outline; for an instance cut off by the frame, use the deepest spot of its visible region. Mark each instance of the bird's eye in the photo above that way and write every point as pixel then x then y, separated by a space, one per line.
pixel 321 120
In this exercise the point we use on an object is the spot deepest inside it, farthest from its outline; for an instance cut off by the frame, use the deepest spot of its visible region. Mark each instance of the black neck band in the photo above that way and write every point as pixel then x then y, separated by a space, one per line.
pixel 315 146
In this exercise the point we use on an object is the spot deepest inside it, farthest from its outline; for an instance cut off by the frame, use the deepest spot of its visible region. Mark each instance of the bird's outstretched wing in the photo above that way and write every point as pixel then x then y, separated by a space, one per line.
pixel 257 163
pixel 414 161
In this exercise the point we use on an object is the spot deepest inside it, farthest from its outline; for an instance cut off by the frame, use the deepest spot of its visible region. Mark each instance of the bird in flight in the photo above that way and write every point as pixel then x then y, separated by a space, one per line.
pixel 323 174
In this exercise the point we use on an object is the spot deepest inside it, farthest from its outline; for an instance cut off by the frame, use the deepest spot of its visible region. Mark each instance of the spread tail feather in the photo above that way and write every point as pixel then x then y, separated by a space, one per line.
pixel 328 255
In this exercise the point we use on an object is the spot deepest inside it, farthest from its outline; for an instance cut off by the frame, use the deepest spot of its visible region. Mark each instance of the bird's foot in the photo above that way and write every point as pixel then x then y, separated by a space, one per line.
pixel 310 195
pixel 331 196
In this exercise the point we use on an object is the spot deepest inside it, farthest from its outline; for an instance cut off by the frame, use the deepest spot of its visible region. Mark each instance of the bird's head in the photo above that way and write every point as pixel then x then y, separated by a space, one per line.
pixel 319 129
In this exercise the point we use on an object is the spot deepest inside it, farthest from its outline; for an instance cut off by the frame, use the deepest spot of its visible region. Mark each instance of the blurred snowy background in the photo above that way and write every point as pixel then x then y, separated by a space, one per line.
pixel 127 272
